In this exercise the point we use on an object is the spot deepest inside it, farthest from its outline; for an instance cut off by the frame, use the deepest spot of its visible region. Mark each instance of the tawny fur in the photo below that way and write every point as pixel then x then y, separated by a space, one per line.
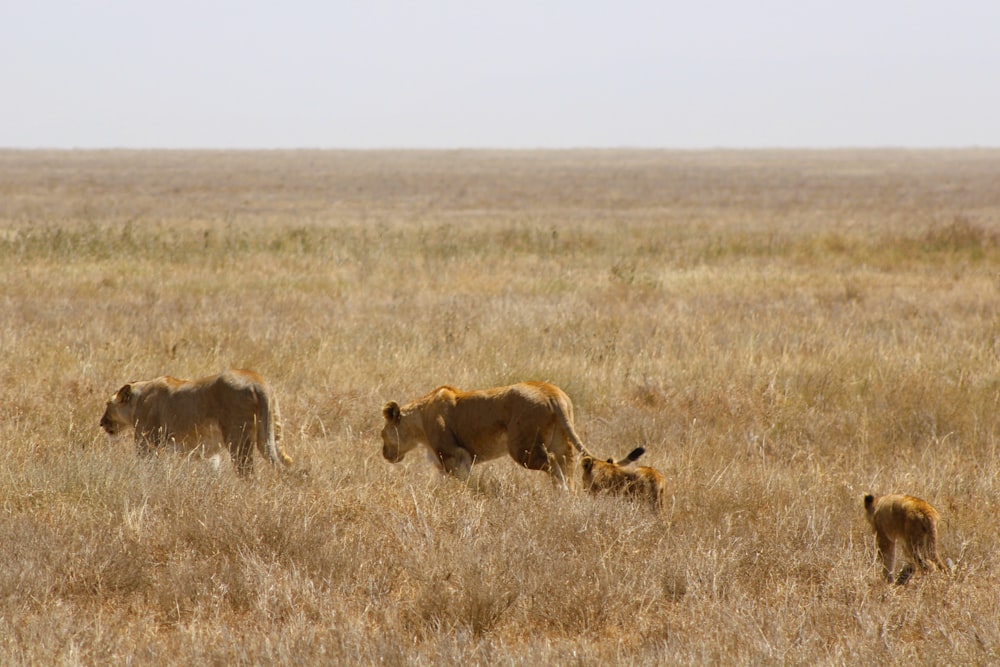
pixel 642 483
pixel 532 422
pixel 236 405
pixel 908 521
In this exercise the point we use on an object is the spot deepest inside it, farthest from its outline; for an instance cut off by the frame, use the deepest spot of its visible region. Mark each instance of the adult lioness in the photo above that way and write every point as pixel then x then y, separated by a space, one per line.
pixel 530 421
pixel 185 413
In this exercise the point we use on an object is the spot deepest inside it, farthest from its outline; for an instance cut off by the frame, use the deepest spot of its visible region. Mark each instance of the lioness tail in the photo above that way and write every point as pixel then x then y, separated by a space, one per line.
pixel 269 431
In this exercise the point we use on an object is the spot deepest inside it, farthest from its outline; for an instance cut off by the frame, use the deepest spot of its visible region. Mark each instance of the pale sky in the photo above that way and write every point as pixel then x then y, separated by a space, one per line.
pixel 499 74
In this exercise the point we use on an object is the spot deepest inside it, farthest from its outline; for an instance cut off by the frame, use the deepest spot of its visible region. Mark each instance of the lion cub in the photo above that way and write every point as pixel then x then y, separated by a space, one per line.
pixel 909 521
pixel 642 483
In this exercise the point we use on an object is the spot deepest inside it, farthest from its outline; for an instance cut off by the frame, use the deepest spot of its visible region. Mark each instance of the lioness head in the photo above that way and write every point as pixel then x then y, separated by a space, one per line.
pixel 870 509
pixel 397 435
pixel 120 411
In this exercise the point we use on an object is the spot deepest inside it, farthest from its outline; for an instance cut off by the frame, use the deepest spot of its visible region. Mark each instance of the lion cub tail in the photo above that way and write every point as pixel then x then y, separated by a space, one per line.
pixel 632 457
pixel 269 431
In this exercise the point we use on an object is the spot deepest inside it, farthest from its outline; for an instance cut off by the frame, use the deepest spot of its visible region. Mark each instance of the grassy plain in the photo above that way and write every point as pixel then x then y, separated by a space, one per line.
pixel 783 332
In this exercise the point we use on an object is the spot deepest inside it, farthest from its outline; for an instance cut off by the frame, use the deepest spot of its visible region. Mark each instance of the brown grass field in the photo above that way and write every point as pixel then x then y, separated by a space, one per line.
pixel 783 331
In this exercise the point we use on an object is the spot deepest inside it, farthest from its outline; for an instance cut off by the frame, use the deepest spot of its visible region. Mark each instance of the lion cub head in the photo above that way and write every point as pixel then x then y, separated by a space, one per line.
pixel 642 483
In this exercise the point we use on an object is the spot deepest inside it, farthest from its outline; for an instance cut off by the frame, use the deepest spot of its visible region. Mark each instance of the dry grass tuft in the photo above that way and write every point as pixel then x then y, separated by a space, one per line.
pixel 782 331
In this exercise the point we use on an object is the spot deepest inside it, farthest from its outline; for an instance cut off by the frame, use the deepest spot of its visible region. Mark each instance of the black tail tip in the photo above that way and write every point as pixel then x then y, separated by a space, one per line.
pixel 635 454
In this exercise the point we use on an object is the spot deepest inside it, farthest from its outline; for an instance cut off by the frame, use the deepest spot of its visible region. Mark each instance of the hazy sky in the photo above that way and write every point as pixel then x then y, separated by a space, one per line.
pixel 519 74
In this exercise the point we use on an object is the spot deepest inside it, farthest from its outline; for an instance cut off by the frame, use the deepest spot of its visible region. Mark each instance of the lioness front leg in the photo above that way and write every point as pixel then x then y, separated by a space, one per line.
pixel 453 458
pixel 457 462
pixel 148 441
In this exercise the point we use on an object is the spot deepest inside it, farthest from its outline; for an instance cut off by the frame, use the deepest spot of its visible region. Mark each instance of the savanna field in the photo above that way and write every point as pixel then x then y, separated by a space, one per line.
pixel 782 331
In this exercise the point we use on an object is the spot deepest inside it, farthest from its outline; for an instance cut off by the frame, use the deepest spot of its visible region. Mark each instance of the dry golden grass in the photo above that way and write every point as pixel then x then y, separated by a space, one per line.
pixel 783 332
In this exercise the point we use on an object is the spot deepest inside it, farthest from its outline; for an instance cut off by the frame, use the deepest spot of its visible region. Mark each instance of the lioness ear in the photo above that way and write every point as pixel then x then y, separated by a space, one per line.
pixel 124 394
pixel 587 463
pixel 391 412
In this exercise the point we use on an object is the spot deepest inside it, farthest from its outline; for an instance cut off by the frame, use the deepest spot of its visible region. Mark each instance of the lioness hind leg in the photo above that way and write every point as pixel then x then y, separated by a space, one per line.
pixel 534 457
pixel 240 445
pixel 561 467
pixel 546 451
pixel 562 457
pixel 559 470
pixel 927 558
pixel 558 466
pixel 242 455
pixel 886 554
pixel 931 550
